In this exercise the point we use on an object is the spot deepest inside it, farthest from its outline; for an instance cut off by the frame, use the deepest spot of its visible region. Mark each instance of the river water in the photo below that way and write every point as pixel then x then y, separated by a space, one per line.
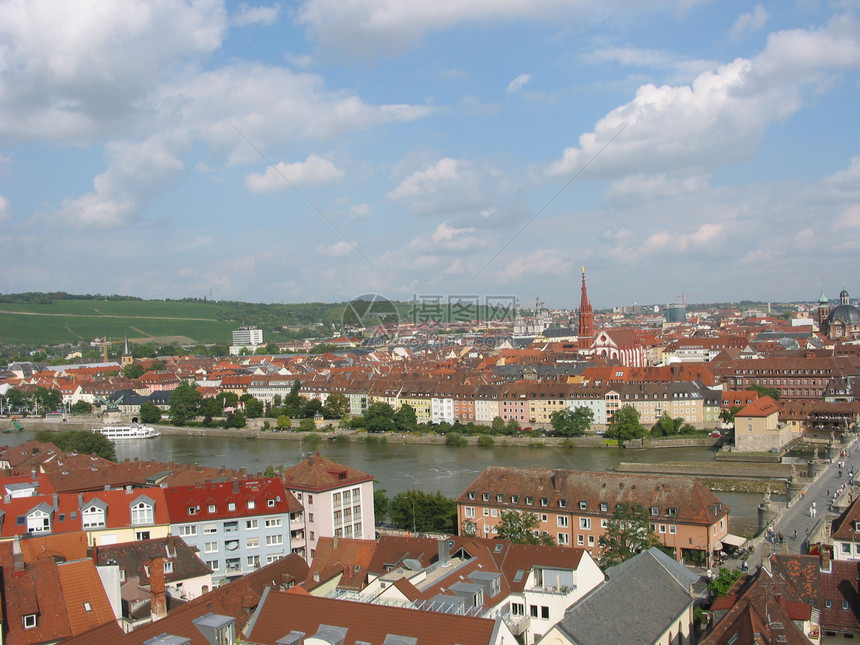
pixel 399 467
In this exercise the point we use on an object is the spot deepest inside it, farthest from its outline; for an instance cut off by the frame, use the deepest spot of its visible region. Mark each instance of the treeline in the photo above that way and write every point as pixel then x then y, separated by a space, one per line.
pixel 39 298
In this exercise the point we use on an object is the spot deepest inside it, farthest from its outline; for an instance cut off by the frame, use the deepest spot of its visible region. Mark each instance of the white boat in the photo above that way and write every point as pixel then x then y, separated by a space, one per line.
pixel 134 431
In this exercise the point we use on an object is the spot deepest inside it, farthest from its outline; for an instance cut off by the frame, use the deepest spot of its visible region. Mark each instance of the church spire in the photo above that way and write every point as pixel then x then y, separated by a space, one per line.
pixel 586 317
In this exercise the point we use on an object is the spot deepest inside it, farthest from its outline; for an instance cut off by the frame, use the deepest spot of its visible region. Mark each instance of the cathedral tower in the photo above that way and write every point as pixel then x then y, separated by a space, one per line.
pixel 586 318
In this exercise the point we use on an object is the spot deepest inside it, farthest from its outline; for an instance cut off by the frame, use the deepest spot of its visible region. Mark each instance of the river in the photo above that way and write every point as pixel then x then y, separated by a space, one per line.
pixel 399 467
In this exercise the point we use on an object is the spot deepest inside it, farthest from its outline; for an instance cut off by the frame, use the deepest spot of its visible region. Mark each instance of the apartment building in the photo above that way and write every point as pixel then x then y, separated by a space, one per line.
pixel 237 526
pixel 575 507
pixel 337 500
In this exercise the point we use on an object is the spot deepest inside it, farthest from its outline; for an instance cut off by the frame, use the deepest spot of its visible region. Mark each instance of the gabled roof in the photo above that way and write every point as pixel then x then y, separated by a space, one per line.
pixel 763 407
pixel 317 473
pixel 222 500
pixel 348 557
pixel 134 557
pixel 236 599
pixel 595 618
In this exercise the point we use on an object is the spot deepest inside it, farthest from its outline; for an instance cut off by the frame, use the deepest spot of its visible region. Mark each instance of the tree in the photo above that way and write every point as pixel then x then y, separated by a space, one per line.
pixel 455 439
pixel 625 425
pixel 235 420
pixel 82 441
pixel 519 527
pixel 572 423
pixel 47 399
pixel 149 412
pixel 253 408
pixel 381 504
pixel 184 404
pixel 211 406
pixel 379 418
pixel 307 425
pixel 728 416
pixel 420 511
pixel 724 580
pixel 269 472
pixel 284 421
pixel 311 407
pixel 627 533
pixel 82 407
pixel 336 406
pixel 512 427
pixel 133 371
pixel 405 418
pixel 667 426
pixel 228 399
pixel 765 391
pixel 498 425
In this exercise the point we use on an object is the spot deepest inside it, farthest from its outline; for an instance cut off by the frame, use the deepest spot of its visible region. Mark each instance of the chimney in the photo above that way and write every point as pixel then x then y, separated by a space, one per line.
pixel 17 556
pixel 335 541
pixel 444 549
pixel 236 486
pixel 33 473
pixel 80 500
pixel 56 500
pixel 128 490
pixel 824 557
pixel 157 592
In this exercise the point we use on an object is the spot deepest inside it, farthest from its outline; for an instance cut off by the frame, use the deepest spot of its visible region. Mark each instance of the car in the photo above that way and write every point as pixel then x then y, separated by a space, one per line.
pixel 716 434
pixel 600 433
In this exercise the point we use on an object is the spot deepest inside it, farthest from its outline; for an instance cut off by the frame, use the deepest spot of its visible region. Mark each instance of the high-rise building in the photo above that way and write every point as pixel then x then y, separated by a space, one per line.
pixel 248 336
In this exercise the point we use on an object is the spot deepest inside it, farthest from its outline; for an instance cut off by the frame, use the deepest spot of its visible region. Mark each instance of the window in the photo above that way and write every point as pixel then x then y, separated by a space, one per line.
pixel 252 504
pixel 142 513
pixel 500 498
pixel 92 517
pixel 186 531
pixel 486 512
pixel 141 535
pixel 604 507
pixel 38 522
pixel 87 607
pixel 469 511
pixel 231 506
pixel 544 501
pixel 533 610
pixel 585 523
pixel 270 503
pixel 544 612
pixel 213 564
pixel 336 498
pixel 494 512
pixel 30 621
pixel 273 522
pixel 168 566
pixel 210 547
pixel 563 538
pixel 231 527
pixel 604 523
pixel 210 529
pixel 252 524
pixel 673 529
pixel 580 540
pixel 274 540
pixel 844 604
pixel 655 510
pixel 252 543
pixel 192 510
pixel 590 540
pixel 254 561
pixel 662 528
pixel 562 520
pixel 828 604
pixel 356 495
pixel 530 500
pixel 518 609
pixel 211 508
pixel 485 497
pixel 583 505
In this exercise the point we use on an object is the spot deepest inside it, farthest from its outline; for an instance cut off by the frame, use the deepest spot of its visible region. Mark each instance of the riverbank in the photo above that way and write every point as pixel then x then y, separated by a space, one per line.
pixel 330 433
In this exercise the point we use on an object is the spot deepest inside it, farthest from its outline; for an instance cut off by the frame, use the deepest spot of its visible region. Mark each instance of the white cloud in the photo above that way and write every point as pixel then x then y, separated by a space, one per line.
pixel 748 23
pixel 336 250
pixel 630 56
pixel 537 262
pixel 361 211
pixel 369 27
pixel 138 172
pixel 450 186
pixel 5 209
pixel 256 15
pixel 313 171
pixel 720 118
pixel 518 83
pixel 74 70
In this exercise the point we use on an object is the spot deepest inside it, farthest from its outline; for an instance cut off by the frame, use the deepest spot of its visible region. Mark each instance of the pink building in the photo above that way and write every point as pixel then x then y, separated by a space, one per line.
pixel 337 500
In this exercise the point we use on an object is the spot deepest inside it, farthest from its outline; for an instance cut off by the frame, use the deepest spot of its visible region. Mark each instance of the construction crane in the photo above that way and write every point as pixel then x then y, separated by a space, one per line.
pixel 683 297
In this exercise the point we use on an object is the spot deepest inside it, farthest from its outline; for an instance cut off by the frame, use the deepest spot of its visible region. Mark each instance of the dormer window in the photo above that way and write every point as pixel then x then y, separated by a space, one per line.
pixel 211 508
pixel 472 494
pixel 192 510
pixel 530 500
pixel 500 498
pixel 672 512
pixel 251 504
pixel 231 506
pixel 38 522
pixel 143 512
pixel 270 503
pixel 544 501
pixel 562 503
pixel 655 510
pixel 93 516
pixel 31 621
pixel 583 505
pixel 515 499
pixel 604 507
pixel 485 497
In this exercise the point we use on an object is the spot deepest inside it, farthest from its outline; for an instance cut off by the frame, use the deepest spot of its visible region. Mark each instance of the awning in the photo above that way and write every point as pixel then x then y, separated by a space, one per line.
pixel 733 540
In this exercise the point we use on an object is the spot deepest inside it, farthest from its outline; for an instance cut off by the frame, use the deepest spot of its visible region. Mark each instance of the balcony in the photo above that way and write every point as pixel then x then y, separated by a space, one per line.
pixel 552 590
pixel 517 624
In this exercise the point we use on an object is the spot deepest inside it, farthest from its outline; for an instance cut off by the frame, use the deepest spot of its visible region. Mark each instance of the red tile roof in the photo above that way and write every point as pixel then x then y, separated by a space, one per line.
pixel 317 473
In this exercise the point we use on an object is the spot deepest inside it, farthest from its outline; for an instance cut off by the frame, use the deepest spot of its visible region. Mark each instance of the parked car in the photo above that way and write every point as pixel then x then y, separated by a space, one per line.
pixel 716 434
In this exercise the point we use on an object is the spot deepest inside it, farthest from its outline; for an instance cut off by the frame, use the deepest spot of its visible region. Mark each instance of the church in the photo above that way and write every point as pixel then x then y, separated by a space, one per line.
pixel 840 323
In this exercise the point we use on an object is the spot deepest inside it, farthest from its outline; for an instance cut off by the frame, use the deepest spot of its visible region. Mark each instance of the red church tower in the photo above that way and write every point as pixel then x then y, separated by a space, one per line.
pixel 586 318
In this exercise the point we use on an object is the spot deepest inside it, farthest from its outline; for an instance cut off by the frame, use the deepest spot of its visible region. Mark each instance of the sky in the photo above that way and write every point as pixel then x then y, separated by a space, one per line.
pixel 318 150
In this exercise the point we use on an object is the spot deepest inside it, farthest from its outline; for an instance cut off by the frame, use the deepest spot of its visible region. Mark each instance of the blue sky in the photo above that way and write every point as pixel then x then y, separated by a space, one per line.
pixel 323 149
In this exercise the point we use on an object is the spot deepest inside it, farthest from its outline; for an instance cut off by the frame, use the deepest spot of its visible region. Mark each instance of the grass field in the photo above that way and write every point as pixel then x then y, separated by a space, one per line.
pixel 69 321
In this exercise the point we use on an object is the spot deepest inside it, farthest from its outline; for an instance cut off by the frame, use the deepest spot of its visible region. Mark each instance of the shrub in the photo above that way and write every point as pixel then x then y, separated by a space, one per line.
pixel 455 439
pixel 485 440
